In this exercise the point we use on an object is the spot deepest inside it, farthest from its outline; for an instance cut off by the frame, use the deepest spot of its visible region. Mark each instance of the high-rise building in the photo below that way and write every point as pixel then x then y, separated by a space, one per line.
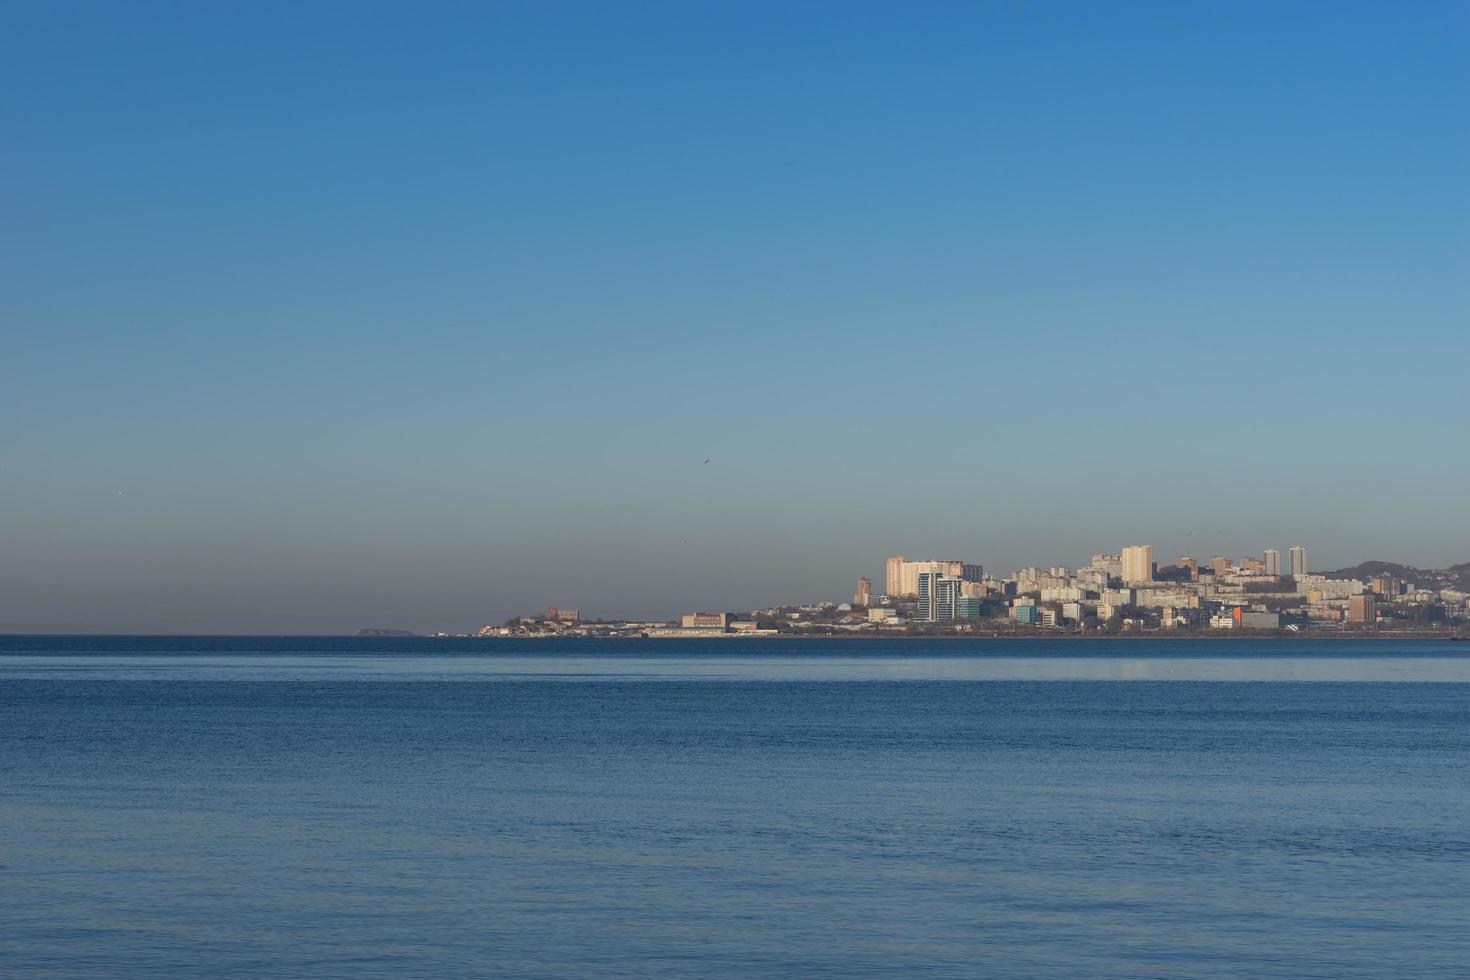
pixel 894 578
pixel 906 573
pixel 864 591
pixel 939 597
pixel 1219 564
pixel 1298 556
pixel 1273 561
pixel 1185 561
pixel 1138 563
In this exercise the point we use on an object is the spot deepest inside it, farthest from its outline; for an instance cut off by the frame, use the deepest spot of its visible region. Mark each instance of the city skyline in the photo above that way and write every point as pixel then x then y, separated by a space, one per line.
pixel 1115 593
pixel 677 600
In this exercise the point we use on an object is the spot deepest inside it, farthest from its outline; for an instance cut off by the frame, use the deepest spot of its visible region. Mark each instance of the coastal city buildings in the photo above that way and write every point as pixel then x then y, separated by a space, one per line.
pixel 903 575
pixel 1363 609
pixel 1121 592
pixel 893 577
pixel 1138 563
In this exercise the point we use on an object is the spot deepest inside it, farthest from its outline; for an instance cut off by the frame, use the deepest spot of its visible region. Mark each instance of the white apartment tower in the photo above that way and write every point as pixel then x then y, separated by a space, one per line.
pixel 1273 561
pixel 1298 561
pixel 1138 563
pixel 893 578
pixel 903 575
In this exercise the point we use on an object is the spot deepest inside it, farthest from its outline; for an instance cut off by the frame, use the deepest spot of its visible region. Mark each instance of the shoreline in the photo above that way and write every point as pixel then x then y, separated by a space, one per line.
pixel 1206 637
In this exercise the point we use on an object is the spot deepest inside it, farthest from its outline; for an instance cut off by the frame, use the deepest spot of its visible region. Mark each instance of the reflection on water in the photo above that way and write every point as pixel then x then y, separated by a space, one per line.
pixel 380 667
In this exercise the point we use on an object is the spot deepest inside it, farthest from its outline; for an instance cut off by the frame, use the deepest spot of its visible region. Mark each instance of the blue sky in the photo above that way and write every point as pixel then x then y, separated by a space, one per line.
pixel 319 316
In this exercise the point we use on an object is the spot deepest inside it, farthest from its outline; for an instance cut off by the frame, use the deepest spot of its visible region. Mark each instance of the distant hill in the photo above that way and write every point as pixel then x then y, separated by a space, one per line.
pixel 382 632
pixel 1368 569
pixel 1454 577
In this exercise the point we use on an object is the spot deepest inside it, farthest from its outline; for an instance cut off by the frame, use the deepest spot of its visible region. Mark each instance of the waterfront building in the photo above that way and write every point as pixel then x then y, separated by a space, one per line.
pixel 1257 620
pixel 1363 609
pixel 864 591
pixel 939 597
pixel 968 608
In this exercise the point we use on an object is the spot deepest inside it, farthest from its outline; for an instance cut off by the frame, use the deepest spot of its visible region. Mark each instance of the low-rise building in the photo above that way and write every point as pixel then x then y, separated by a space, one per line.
pixel 705 620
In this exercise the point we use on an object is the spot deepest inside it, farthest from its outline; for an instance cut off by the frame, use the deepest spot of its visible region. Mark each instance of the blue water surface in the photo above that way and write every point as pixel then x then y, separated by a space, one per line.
pixel 289 807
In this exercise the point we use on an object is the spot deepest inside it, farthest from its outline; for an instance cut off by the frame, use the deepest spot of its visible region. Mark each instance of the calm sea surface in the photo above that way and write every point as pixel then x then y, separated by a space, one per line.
pixel 282 807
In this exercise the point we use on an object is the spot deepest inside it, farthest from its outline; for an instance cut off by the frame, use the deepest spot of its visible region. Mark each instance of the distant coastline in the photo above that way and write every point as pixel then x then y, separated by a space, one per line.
pixel 1211 635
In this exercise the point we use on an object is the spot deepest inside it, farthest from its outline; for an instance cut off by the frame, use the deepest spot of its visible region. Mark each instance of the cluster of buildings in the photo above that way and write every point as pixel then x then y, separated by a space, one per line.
pixel 1129 590
pixel 1123 591
pixel 568 622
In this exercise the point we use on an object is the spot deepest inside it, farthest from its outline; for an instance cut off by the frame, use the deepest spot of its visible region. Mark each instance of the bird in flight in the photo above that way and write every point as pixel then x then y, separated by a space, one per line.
pixel 706 461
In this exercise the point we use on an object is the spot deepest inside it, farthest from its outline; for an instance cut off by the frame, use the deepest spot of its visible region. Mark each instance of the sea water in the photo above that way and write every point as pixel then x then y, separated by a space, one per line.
pixel 765 808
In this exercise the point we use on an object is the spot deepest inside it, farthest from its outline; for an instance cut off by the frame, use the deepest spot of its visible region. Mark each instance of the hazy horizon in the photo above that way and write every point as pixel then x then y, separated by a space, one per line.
pixel 340 316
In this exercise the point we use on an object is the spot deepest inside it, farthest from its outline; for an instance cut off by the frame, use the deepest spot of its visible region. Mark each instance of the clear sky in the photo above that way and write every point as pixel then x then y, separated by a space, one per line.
pixel 328 315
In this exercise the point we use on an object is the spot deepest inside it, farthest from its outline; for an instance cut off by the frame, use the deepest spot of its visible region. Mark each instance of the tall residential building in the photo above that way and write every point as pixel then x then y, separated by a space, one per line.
pixel 905 574
pixel 1298 556
pixel 894 577
pixel 1185 561
pixel 1138 563
pixel 1273 561
pixel 939 597
pixel 864 591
